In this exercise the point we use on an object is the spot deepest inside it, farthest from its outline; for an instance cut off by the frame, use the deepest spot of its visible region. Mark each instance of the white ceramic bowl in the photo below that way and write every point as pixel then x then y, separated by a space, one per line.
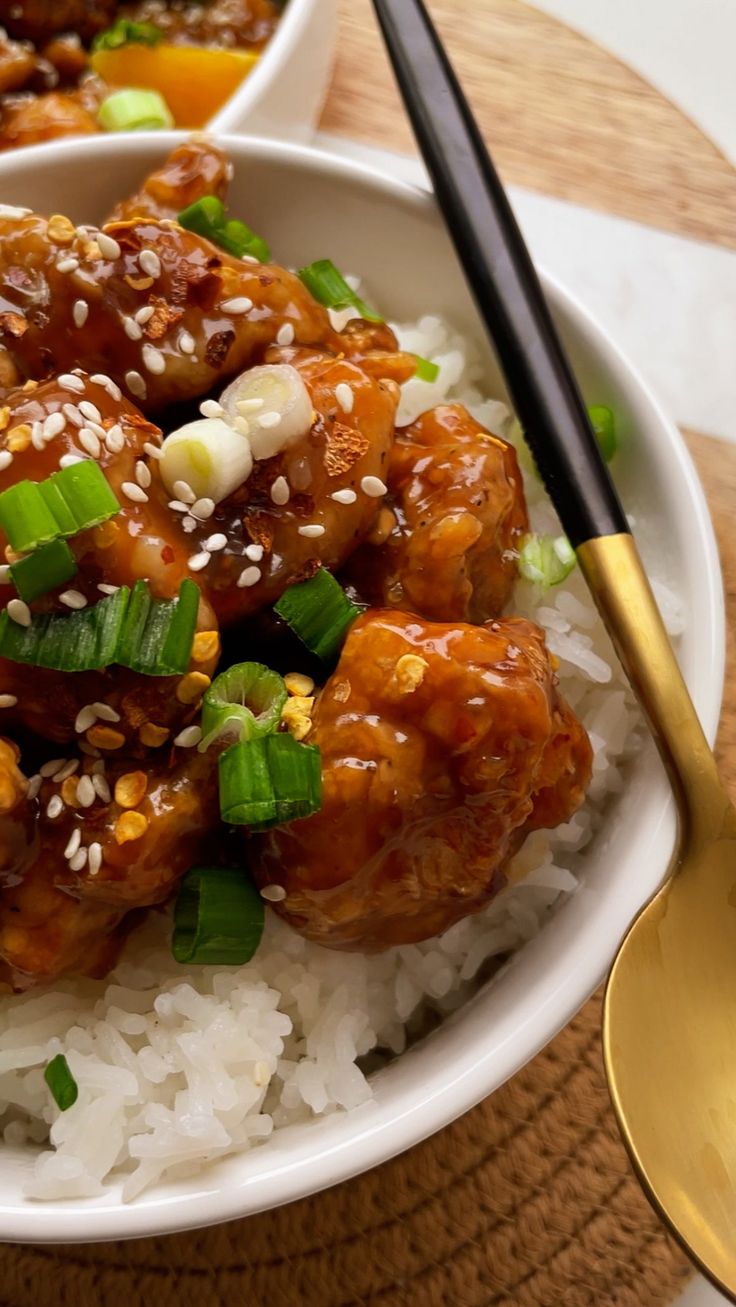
pixel 310 206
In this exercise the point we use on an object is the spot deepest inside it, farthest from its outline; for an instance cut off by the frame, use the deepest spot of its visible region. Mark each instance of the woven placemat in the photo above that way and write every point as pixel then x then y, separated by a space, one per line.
pixel 527 1201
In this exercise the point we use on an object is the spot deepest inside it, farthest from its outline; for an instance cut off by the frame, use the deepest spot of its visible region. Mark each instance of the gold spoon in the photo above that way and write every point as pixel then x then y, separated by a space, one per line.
pixel 669 1023
pixel 670 1013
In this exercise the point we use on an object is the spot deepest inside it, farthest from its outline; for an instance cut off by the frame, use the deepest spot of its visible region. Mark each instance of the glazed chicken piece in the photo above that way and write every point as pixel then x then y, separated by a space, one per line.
pixel 33 120
pixel 144 539
pixel 216 22
pixel 442 747
pixel 40 20
pixel 17 65
pixel 449 550
pixel 79 857
pixel 206 314
pixel 194 169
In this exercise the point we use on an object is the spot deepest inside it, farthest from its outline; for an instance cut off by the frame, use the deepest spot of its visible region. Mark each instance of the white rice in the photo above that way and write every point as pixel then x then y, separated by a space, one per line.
pixel 179 1066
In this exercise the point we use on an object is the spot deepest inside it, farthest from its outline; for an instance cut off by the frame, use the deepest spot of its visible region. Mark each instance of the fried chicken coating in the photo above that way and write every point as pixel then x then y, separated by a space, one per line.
pixel 442 747
pixel 208 314
pixel 217 23
pixel 99 844
pixel 459 514
pixel 194 169
pixel 40 20
pixel 35 119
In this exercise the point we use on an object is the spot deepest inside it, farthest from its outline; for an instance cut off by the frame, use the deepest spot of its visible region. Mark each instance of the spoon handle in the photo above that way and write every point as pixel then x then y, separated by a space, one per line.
pixel 616 578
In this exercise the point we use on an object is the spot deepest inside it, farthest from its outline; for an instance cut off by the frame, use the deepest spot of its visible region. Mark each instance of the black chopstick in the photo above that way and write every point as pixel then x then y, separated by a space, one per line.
pixel 501 276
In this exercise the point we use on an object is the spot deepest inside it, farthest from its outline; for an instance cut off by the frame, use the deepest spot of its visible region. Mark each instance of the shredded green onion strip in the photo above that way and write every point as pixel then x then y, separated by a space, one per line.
pixel 546 560
pixel 48 567
pixel 61 1082
pixel 603 422
pixel 34 512
pixel 426 370
pixel 134 110
pixel 328 286
pixel 153 637
pixel 243 703
pixel 127 32
pixel 319 612
pixel 268 782
pixel 218 918
pixel 208 218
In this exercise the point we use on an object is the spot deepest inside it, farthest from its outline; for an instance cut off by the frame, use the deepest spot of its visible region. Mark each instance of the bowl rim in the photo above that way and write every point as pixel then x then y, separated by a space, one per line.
pixel 372 1135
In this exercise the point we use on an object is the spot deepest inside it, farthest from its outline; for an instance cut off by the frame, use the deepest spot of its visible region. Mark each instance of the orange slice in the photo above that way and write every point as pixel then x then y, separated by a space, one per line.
pixel 194 81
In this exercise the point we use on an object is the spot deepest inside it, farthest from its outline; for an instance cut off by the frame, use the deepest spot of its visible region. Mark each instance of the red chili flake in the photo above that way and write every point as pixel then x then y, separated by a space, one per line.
pixel 167 555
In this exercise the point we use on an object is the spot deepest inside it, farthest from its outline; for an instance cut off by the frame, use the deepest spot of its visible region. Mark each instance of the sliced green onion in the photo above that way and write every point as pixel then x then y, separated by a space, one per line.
pixel 328 286
pixel 218 918
pixel 50 566
pixel 208 218
pixel 546 560
pixel 61 1082
pixel 245 703
pixel 426 370
pixel 80 641
pixel 25 518
pixel 269 782
pixel 134 110
pixel 33 513
pixel 127 32
pixel 319 613
pixel 157 634
pixel 603 423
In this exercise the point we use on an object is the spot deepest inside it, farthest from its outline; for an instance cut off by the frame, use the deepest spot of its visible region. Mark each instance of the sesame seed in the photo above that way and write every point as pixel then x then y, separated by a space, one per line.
pixel 109 248
pixel 145 314
pixel 254 553
pixel 73 599
pixel 183 490
pixel 37 439
pixel 75 839
pixel 142 474
pixel 150 263
pixel 153 451
pixel 241 304
pixel 267 420
pixel 178 506
pixel 345 397
pixel 346 496
pixel 6 459
pixel 190 736
pixel 136 385
pixel 12 210
pixel 134 492
pixel 80 312
pixel 34 785
pixel 246 406
pixel 373 487
pixel 242 426
pixel 67 770
pixel 8 700
pixel 68 460
pixel 108 589
pixel 153 359
pixel 86 717
pixel 90 411
pixel 67 265
pixel 90 442
pixel 19 612
pixel 273 893
pixel 198 561
pixel 102 789
pixel 86 792
pixel 4 573
pixel 55 806
pixel 67 381
pixel 189 524
pixel 115 440
pixel 106 712
pixel 187 343
pixel 53 425
pixel 216 542
pixel 312 531
pixel 107 384
pixel 209 408
pixel 132 330
pixel 72 414
pixel 77 862
pixel 96 428
pixel 285 334
pixel 51 767
pixel 98 768
pixel 250 576
pixel 95 858
pixel 280 492
pixel 203 508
